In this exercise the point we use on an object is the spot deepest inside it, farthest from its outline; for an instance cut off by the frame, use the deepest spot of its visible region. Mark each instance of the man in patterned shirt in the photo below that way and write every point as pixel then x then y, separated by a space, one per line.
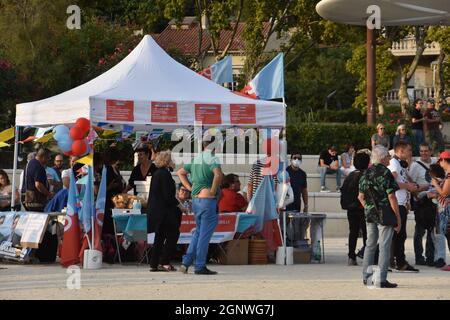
pixel 379 180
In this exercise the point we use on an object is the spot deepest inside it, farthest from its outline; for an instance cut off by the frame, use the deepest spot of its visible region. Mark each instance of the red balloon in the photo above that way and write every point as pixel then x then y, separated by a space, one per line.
pixel 76 133
pixel 83 124
pixel 79 147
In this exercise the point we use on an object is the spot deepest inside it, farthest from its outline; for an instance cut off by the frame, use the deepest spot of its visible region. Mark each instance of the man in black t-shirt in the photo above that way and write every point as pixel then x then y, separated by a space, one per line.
pixel 36 182
pixel 329 164
pixel 298 182
pixel 417 120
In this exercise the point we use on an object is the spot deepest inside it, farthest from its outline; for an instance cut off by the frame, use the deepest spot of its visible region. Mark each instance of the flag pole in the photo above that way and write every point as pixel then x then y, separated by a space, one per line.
pixel 16 154
pixel 284 157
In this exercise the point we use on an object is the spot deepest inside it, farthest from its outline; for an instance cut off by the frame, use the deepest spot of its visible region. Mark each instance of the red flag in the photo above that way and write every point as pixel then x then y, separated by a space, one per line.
pixel 71 243
pixel 206 73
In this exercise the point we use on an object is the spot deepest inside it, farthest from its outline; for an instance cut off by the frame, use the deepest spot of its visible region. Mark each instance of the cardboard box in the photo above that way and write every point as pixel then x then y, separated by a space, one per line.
pixel 302 256
pixel 234 252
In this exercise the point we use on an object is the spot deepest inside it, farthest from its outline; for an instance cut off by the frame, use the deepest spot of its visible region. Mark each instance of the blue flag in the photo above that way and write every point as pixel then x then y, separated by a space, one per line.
pixel 269 82
pixel 222 71
pixel 263 203
pixel 72 200
pixel 87 204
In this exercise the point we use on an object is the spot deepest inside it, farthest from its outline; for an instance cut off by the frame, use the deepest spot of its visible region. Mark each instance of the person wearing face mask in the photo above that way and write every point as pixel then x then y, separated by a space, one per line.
pixel 299 185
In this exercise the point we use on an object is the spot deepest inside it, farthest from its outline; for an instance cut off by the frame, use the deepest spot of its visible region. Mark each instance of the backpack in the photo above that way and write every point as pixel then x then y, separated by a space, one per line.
pixel 350 191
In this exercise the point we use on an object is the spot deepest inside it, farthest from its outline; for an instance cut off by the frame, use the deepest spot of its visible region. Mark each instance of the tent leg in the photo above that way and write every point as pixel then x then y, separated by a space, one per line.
pixel 16 155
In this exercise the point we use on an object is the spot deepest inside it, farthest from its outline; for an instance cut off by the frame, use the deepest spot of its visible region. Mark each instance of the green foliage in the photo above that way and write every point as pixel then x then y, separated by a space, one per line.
pixel 385 74
pixel 350 115
pixel 312 138
pixel 319 73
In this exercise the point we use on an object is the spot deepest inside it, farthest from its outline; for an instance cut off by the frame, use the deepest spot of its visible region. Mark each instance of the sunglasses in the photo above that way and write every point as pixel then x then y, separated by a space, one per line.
pixel 297 158
pixel 381 129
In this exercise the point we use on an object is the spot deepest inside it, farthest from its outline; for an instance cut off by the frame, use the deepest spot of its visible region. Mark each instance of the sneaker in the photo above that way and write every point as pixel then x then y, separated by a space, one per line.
pixel 184 269
pixel 388 284
pixel 439 263
pixel 205 271
pixel 446 268
pixel 338 189
pixel 352 262
pixel 324 189
pixel 365 282
pixel 389 270
pixel 407 268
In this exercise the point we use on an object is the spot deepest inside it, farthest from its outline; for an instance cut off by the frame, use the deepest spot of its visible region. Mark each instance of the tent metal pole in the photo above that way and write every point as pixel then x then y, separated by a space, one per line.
pixel 284 158
pixel 16 155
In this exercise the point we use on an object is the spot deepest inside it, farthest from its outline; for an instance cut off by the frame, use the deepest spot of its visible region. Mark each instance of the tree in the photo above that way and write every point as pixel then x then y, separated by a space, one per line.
pixel 408 69
pixel 441 35
pixel 385 74
pixel 319 73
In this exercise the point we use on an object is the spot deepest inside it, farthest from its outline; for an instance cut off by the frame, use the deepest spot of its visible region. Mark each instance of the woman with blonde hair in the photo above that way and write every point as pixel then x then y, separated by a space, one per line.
pixel 164 214
pixel 381 138
pixel 400 135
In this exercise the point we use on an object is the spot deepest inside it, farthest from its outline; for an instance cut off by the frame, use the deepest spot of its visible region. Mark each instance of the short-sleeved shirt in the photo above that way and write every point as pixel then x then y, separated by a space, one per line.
pixel 402 195
pixel 136 175
pixel 432 115
pixel 381 182
pixel 201 170
pixel 231 201
pixel 327 157
pixel 298 182
pixel 417 114
pixel 35 172
pixel 383 141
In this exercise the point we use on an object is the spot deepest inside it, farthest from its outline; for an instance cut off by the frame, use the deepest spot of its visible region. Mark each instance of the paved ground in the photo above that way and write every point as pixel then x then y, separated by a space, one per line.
pixel 332 280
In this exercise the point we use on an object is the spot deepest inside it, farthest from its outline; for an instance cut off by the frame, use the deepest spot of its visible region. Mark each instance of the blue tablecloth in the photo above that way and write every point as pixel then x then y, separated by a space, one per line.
pixel 133 226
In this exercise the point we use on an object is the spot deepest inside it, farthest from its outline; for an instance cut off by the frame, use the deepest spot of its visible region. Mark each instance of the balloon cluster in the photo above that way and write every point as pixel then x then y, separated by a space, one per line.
pixel 73 141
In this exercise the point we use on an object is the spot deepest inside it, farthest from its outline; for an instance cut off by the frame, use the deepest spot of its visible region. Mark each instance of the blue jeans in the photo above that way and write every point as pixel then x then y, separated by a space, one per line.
pixel 206 219
pixel 382 235
pixel 418 139
pixel 323 175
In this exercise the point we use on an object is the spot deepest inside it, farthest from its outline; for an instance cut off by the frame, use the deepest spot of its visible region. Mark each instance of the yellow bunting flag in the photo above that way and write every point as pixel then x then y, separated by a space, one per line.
pixel 107 133
pixel 89 160
pixel 3 145
pixel 45 138
pixel 6 135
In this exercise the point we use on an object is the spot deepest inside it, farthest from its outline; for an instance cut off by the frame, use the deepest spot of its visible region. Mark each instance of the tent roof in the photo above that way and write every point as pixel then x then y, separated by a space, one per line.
pixel 148 74
pixel 403 12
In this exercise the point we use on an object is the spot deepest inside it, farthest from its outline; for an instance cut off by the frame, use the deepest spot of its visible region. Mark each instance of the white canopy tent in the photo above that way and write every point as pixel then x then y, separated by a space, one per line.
pixel 149 88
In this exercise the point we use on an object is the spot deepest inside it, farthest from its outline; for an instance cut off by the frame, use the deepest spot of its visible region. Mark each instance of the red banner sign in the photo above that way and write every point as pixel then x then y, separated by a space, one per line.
pixel 119 110
pixel 243 113
pixel 166 112
pixel 208 113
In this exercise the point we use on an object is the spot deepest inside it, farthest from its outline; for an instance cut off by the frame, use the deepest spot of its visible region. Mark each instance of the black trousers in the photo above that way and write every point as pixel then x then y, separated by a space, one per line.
pixel 165 244
pixel 356 222
pixel 398 240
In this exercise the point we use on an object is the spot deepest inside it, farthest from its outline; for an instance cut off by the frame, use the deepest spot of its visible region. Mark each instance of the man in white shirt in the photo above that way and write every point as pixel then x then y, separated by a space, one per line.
pixel 419 173
pixel 399 169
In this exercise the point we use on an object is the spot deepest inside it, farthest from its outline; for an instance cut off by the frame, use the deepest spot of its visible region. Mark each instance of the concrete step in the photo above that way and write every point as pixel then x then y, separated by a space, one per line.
pixel 336 225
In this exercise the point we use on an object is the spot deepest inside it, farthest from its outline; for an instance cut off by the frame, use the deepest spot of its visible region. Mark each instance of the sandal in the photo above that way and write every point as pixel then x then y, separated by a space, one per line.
pixel 158 269
pixel 167 268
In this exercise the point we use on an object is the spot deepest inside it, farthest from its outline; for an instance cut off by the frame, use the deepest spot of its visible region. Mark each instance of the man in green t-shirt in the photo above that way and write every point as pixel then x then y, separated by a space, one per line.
pixel 206 176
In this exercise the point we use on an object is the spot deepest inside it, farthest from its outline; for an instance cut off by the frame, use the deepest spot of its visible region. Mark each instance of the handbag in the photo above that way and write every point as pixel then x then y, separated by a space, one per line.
pixel 385 212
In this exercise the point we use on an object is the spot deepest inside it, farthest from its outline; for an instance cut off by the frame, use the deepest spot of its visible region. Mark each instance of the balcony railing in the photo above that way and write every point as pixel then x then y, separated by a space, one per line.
pixel 407 47
pixel 420 93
